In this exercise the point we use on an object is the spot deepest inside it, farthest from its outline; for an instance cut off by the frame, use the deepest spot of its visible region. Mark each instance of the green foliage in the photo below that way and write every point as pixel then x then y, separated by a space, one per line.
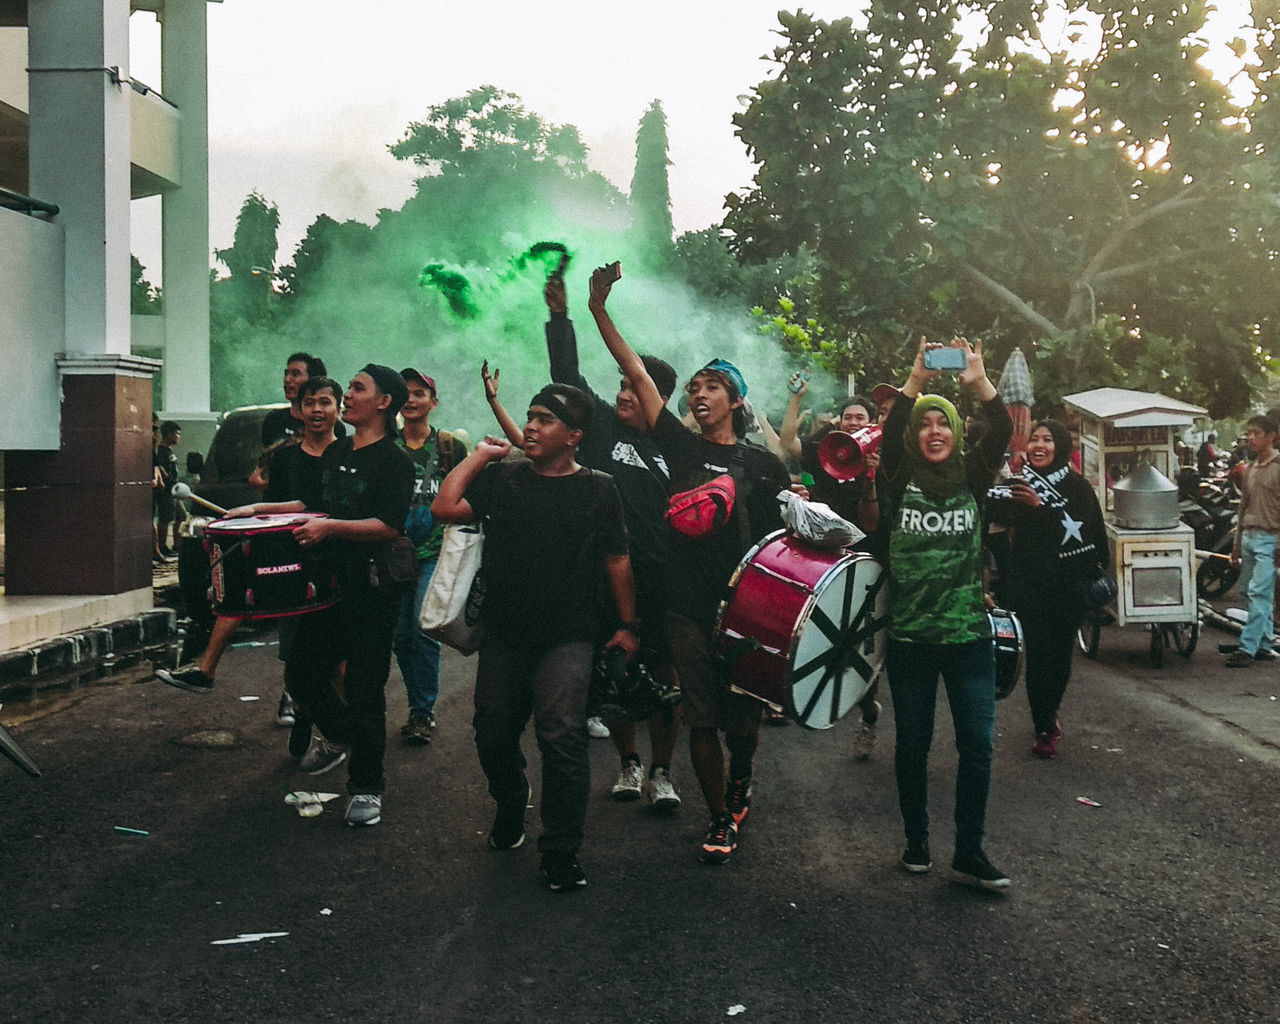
pixel 1027 190
pixel 144 297
pixel 650 189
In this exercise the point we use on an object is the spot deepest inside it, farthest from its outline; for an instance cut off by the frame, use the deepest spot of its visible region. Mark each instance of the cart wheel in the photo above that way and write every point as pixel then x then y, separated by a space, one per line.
pixel 1157 645
pixel 1087 636
pixel 1185 637
pixel 1215 577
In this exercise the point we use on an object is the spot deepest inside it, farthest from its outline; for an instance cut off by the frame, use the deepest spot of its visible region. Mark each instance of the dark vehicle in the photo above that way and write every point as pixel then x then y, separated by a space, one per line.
pixel 1209 508
pixel 223 479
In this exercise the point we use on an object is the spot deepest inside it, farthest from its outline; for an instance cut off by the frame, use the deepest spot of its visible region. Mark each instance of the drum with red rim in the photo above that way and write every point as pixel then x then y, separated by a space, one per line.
pixel 260 572
pixel 803 628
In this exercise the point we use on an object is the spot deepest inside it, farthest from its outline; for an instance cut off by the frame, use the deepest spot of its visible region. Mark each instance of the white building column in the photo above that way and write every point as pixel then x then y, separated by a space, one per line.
pixel 79 158
pixel 185 212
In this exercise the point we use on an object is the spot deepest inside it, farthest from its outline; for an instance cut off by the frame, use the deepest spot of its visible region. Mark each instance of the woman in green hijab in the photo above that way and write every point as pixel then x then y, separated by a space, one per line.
pixel 938 625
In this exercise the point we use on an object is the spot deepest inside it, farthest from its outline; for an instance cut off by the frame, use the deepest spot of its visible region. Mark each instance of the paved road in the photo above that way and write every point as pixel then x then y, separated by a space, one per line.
pixel 1159 905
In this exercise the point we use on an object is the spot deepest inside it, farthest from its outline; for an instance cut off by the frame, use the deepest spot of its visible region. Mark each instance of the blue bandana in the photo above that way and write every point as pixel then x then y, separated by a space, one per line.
pixel 730 371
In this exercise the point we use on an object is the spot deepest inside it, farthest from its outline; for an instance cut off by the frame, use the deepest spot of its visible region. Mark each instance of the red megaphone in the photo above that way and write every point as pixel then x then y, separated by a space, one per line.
pixel 844 456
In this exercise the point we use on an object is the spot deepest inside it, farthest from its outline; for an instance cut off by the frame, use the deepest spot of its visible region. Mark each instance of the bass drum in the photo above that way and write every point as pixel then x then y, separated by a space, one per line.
pixel 803 628
pixel 259 571
pixel 1006 637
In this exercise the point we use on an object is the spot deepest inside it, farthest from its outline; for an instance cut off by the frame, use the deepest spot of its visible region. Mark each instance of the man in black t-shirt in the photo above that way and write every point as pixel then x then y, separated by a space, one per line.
pixel 698 570
pixel 554 536
pixel 620 445
pixel 366 484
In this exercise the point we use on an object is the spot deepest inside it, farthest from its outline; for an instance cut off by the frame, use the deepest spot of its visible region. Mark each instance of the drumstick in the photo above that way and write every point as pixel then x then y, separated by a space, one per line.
pixel 181 490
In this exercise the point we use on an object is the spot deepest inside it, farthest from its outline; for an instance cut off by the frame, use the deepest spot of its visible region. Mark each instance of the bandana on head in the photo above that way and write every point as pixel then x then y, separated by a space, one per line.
pixel 937 480
pixel 552 398
pixel 730 371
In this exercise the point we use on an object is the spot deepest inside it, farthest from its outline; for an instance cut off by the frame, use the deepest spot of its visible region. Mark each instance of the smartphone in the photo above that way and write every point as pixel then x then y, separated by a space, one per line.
pixel 610 272
pixel 953 360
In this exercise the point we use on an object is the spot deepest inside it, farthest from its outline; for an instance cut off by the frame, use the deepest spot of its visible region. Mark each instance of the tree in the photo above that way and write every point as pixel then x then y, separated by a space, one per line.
pixel 325 241
pixel 650 189
pixel 144 297
pixel 1092 198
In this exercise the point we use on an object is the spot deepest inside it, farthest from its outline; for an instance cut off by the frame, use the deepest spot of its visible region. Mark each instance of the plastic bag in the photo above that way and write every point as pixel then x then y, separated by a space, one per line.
pixel 817 523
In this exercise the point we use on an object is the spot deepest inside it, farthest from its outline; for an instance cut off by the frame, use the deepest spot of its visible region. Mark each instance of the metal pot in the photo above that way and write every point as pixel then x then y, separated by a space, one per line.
pixel 1146 499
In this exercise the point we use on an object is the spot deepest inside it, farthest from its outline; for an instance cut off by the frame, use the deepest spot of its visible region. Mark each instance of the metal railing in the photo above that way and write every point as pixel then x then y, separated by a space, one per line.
pixel 25 204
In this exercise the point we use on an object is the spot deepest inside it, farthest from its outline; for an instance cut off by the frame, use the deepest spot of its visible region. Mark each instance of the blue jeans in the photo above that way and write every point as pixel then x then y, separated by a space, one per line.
pixel 416 653
pixel 969 675
pixel 1258 585
pixel 550 684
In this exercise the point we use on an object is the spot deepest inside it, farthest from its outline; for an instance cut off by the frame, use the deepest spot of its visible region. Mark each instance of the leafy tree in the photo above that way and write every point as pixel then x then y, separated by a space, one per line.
pixel 325 239
pixel 144 297
pixel 650 189
pixel 1103 201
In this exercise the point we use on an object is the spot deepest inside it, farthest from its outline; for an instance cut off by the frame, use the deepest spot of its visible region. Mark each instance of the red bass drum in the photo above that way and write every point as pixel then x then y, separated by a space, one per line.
pixel 260 572
pixel 803 628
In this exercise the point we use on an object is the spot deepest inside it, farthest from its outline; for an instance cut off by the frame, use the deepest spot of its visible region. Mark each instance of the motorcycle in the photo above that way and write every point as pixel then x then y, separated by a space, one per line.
pixel 1209 508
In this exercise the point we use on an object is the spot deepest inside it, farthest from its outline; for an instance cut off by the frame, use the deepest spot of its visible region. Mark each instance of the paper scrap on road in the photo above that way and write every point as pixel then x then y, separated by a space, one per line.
pixel 736 1009
pixel 248 937
pixel 249 697
pixel 1087 802
pixel 326 912
pixel 125 831
pixel 309 805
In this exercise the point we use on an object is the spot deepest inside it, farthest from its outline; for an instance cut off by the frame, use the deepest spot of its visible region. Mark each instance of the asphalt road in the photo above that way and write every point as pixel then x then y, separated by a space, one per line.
pixel 1159 905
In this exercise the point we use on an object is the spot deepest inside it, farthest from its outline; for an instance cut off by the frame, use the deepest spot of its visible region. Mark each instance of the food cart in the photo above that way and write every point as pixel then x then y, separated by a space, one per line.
pixel 1127 455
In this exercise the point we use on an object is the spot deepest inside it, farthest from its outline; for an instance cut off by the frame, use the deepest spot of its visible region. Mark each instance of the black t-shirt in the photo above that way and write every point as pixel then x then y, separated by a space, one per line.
pixel 295 476
pixel 373 482
pixel 698 571
pixel 630 456
pixel 545 541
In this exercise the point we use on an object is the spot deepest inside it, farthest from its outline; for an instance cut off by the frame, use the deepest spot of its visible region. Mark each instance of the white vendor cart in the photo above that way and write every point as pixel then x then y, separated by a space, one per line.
pixel 1127 455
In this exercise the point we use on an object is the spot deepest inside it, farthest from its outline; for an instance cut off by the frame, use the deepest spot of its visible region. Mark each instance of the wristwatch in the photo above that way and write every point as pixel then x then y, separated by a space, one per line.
pixel 631 627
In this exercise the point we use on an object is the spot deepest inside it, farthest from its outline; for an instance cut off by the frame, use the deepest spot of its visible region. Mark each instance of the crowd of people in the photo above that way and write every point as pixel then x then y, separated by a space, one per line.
pixel 580 560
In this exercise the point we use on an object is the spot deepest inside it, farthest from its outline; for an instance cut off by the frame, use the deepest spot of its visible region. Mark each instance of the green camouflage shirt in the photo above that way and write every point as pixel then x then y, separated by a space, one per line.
pixel 935 568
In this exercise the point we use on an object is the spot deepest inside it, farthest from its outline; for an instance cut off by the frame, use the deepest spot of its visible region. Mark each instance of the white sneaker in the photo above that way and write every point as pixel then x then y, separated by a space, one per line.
pixel 864 739
pixel 597 729
pixel 630 781
pixel 364 809
pixel 662 795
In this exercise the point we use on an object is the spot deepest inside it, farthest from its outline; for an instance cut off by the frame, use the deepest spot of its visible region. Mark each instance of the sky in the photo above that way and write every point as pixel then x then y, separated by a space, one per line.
pixel 306 95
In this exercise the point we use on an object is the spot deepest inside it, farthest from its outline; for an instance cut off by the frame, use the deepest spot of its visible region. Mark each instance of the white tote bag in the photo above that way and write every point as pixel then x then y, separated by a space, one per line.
pixel 451 609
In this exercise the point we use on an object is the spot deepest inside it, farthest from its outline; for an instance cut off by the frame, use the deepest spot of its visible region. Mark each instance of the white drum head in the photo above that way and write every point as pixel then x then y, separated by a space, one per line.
pixel 839 647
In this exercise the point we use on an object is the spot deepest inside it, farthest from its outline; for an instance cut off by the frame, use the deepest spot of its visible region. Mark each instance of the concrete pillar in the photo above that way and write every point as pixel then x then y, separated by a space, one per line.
pixel 79 158
pixel 185 228
pixel 78 520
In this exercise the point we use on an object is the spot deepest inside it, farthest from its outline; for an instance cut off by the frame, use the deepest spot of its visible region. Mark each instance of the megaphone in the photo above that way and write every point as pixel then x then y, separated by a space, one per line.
pixel 843 456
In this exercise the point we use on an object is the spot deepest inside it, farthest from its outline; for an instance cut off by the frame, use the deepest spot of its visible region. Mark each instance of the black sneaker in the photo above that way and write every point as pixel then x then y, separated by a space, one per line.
pixel 721 841
pixel 190 679
pixel 508 824
pixel 915 858
pixel 300 734
pixel 417 731
pixel 974 869
pixel 1264 654
pixel 564 873
pixel 737 799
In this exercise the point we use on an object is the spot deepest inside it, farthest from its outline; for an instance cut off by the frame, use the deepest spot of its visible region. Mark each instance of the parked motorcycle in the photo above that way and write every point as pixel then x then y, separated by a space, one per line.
pixel 1209 508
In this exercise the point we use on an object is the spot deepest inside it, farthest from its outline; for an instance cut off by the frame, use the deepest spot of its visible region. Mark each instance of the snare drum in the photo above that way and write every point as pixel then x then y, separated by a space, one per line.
pixel 802 629
pixel 1006 636
pixel 260 572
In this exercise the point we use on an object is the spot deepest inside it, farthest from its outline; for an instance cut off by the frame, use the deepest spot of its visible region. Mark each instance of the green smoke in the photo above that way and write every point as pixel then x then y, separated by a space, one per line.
pixel 454 286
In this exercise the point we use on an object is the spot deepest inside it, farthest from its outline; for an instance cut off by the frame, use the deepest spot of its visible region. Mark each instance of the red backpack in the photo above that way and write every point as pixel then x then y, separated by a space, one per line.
pixel 700 512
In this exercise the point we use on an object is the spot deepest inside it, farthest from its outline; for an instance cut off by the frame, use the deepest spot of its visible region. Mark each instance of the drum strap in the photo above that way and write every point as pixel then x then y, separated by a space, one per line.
pixel 737 470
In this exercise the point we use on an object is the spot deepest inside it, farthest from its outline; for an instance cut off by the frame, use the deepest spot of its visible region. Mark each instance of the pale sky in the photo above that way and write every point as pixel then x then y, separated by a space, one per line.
pixel 305 95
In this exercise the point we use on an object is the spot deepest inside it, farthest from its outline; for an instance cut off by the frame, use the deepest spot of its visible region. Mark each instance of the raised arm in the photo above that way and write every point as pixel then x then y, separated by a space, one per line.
pixel 789 435
pixel 628 362
pixel 562 343
pixel 510 428
pixel 450 504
